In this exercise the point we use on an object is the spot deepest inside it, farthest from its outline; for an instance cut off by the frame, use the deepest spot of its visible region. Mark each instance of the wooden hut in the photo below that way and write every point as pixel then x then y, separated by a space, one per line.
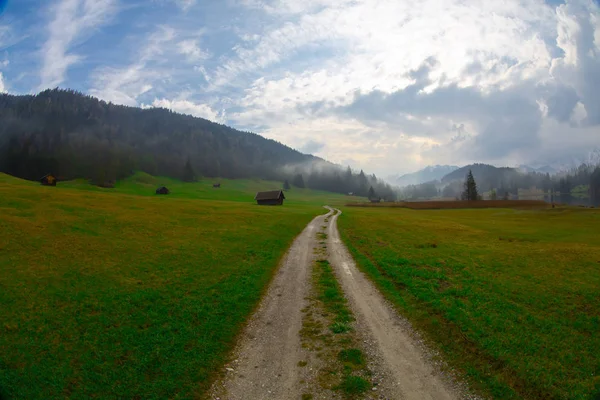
pixel 162 190
pixel 271 198
pixel 110 184
pixel 48 180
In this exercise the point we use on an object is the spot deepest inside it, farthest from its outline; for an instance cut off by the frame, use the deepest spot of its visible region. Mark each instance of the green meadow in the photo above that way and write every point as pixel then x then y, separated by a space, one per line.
pixel 120 293
pixel 511 298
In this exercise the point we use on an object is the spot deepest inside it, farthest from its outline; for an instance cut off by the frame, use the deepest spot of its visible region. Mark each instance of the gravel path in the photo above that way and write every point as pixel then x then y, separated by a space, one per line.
pixel 267 357
pixel 400 362
pixel 270 362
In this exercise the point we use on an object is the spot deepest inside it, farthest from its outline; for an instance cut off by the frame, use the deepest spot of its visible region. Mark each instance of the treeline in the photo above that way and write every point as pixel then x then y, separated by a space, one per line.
pixel 507 182
pixel 347 182
pixel 77 136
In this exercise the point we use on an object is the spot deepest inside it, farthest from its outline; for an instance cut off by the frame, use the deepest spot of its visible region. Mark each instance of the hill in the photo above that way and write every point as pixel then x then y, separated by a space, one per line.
pixel 483 172
pixel 427 174
pixel 79 136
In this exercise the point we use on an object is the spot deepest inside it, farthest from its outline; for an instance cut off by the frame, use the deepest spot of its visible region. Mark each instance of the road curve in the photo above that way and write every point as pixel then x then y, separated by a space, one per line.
pixel 267 356
pixel 407 373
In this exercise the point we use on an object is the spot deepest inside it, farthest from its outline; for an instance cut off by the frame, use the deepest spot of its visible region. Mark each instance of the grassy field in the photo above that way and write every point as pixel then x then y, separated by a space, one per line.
pixel 119 293
pixel 511 297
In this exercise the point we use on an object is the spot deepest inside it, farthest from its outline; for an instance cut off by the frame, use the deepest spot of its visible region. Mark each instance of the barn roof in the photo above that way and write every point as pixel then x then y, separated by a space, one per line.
pixel 270 195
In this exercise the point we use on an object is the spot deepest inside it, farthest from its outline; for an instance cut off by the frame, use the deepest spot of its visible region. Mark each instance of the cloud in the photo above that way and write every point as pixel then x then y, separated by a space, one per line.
pixel 5 34
pixel 191 50
pixel 312 147
pixel 398 85
pixel 189 108
pixel 2 86
pixel 124 85
pixel 72 21
pixel 579 68
pixel 185 5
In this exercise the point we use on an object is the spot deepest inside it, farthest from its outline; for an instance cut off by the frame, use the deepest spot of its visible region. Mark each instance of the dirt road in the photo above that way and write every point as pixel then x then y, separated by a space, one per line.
pixel 268 354
pixel 406 372
pixel 269 357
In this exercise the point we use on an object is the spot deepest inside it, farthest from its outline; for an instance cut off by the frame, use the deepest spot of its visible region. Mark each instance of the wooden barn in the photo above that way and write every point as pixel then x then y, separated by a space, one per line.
pixel 271 198
pixel 48 180
pixel 162 190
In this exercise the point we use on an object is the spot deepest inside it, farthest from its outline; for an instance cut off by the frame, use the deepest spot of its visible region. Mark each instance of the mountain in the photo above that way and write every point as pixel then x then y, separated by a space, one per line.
pixel 480 172
pixel 77 136
pixel 546 169
pixel 427 174
pixel 566 164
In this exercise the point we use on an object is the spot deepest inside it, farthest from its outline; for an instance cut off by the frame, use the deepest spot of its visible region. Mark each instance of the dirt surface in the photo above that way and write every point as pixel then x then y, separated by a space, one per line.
pixel 269 356
pixel 399 361
pixel 270 361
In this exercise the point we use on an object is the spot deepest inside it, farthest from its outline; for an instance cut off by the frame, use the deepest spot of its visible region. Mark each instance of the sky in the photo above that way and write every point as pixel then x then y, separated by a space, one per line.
pixel 389 86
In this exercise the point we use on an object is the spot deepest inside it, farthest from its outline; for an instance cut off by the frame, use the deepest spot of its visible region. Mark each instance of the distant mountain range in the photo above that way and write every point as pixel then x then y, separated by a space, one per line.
pixel 564 164
pixel 427 174
pixel 448 173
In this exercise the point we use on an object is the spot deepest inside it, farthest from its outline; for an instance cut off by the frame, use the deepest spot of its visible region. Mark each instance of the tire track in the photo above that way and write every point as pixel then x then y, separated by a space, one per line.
pixel 401 361
pixel 268 354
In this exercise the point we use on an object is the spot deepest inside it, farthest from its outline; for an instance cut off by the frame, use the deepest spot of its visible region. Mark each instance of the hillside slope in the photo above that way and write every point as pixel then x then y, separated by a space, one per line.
pixel 81 135
pixel 78 136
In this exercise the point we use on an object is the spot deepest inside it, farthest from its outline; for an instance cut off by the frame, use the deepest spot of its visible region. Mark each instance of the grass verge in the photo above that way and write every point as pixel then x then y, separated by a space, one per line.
pixel 327 328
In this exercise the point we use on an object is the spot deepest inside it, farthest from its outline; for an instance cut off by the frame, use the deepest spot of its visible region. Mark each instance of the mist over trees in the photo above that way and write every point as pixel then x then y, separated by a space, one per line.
pixel 78 136
pixel 595 187
pixel 579 183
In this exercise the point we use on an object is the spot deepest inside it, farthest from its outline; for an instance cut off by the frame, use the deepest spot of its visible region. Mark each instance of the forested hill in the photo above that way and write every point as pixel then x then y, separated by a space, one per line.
pixel 78 136
pixel 484 172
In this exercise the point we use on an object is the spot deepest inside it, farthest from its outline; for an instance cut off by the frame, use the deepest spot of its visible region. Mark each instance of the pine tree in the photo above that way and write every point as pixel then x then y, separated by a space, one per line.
pixel 362 184
pixel 298 181
pixel 286 185
pixel 188 173
pixel 470 188
pixel 372 195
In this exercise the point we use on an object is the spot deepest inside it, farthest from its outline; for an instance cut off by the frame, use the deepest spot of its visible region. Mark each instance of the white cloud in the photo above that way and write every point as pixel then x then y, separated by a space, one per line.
pixel 378 41
pixel 124 85
pixel 185 4
pixel 189 108
pixel 4 35
pixel 2 86
pixel 486 48
pixel 191 50
pixel 72 20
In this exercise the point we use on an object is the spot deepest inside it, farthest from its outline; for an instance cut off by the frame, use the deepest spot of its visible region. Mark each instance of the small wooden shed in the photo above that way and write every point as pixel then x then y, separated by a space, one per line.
pixel 48 180
pixel 162 190
pixel 270 198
